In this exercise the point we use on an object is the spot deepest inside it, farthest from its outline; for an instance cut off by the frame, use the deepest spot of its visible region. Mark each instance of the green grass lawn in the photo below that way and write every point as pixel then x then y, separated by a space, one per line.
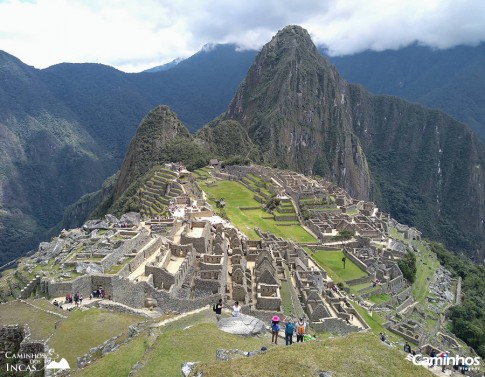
pixel 331 261
pixel 41 323
pixel 118 363
pixel 286 302
pixel 427 264
pixel 379 298
pixel 236 195
pixel 358 287
pixel 86 329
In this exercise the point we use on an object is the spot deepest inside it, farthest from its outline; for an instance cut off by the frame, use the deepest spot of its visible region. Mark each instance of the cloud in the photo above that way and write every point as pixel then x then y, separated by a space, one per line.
pixel 133 36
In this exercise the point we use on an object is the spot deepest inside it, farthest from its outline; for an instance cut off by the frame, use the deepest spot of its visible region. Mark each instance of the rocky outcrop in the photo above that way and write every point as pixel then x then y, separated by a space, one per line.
pixel 242 325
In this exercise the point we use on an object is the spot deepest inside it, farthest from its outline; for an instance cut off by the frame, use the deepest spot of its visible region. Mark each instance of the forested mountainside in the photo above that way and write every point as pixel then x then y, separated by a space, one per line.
pixel 452 80
pixel 66 128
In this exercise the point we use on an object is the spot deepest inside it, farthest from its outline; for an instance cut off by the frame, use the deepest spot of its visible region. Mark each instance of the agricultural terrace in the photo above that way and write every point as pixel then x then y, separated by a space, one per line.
pixel 331 261
pixel 237 198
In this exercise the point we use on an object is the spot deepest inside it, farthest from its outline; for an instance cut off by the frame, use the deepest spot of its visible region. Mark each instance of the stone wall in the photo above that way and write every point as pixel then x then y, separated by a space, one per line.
pixel 26 291
pixel 168 303
pixel 358 281
pixel 405 303
pixel 81 284
pixel 17 339
pixel 128 293
pixel 140 258
pixel 162 279
pixel 334 326
pixel 268 303
pixel 357 261
pixel 194 215
pixel 201 244
pixel 204 286
pixel 285 218
pixel 127 247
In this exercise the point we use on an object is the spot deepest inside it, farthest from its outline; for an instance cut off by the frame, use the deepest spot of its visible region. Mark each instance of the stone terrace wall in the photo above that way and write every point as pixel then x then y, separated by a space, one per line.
pixel 357 261
pixel 128 293
pixel 168 303
pixel 357 281
pixel 30 287
pixel 140 258
pixel 126 248
pixel 405 303
pixel 335 326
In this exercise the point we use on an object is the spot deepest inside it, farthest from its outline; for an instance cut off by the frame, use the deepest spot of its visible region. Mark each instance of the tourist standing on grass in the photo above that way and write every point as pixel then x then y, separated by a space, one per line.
pixel 289 328
pixel 218 310
pixel 300 330
pixel 407 348
pixel 236 309
pixel 275 329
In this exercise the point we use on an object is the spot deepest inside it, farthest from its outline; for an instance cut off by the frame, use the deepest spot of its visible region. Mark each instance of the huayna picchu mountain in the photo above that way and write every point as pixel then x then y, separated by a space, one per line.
pixel 293 110
pixel 419 164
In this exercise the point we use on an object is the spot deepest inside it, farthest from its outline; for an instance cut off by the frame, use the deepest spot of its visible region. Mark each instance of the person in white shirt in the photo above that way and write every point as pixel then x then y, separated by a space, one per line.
pixel 236 309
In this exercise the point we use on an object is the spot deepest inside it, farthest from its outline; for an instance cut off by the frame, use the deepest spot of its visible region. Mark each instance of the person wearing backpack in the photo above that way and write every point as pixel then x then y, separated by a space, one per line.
pixel 275 329
pixel 218 309
pixel 300 330
pixel 289 328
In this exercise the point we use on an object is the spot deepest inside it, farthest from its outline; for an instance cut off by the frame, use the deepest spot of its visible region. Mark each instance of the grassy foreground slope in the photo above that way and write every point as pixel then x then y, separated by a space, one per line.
pixel 360 355
pixel 196 338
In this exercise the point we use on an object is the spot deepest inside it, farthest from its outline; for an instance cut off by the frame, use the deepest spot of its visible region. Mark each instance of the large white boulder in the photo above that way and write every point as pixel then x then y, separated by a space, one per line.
pixel 242 325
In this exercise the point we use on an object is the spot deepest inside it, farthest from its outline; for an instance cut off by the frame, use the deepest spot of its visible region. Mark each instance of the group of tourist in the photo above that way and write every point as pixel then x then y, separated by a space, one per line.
pixel 291 327
pixel 76 298
pixel 236 309
pixel 98 293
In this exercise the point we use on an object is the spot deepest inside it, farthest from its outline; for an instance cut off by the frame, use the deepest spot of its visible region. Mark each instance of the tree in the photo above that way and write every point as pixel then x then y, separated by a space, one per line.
pixel 221 203
pixel 408 266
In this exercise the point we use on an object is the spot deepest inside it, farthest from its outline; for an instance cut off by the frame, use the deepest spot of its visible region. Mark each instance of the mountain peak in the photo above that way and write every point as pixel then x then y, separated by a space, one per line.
pixel 292 37
pixel 293 104
pixel 160 127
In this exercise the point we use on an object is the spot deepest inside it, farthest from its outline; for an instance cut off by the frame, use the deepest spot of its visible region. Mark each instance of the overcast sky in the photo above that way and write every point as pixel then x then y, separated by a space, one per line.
pixel 140 34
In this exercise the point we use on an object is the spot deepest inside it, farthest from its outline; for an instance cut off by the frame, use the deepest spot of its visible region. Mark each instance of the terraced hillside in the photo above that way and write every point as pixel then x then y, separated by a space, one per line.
pixel 156 193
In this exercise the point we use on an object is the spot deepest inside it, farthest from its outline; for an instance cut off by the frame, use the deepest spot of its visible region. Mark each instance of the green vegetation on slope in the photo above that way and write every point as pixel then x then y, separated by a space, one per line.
pixel 468 318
